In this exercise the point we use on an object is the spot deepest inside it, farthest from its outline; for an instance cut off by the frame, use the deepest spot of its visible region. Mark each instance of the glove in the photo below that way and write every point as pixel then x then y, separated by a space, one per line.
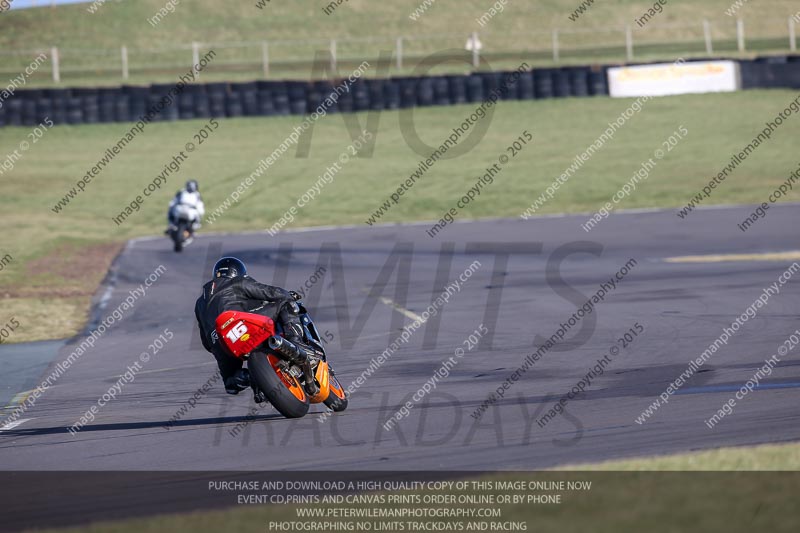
pixel 295 295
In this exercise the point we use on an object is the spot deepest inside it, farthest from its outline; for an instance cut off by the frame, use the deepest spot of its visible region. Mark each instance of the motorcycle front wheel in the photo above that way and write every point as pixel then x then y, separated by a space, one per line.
pixel 282 389
pixel 178 236
pixel 337 399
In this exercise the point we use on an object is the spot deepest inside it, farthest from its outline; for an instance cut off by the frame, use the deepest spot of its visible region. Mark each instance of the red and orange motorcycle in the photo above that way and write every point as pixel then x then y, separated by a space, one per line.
pixel 290 376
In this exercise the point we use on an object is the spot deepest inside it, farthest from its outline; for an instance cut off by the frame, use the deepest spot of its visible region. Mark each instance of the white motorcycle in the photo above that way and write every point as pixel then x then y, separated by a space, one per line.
pixel 186 219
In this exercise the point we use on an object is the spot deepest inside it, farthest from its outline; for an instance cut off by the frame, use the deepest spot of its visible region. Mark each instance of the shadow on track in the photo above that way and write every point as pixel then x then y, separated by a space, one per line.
pixel 142 425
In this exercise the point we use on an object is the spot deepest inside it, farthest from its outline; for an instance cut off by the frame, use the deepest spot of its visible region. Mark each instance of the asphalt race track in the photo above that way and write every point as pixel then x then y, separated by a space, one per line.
pixel 533 276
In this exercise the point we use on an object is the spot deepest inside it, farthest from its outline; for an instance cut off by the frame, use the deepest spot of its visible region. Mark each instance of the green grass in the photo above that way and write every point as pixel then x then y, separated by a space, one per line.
pixel 524 28
pixel 768 457
pixel 35 236
pixel 632 497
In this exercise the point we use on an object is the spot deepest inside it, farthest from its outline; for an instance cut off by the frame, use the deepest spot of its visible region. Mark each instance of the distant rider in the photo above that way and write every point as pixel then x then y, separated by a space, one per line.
pixel 233 290
pixel 190 197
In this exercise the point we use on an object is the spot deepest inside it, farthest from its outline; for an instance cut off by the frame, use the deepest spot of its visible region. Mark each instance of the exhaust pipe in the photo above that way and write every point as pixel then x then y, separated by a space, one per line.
pixel 288 349
pixel 297 355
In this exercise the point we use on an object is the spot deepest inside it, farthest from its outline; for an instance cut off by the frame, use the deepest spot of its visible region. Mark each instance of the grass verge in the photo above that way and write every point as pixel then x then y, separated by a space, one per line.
pixel 90 42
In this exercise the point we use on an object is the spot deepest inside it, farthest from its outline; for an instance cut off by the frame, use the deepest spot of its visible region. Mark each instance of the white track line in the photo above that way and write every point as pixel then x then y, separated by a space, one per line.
pixel 399 308
pixel 15 423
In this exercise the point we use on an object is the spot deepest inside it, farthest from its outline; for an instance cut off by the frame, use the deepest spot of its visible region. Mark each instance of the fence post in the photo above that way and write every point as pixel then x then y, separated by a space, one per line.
pixel 707 34
pixel 629 42
pixel 740 34
pixel 476 50
pixel 333 55
pixel 555 45
pixel 792 35
pixel 399 52
pixel 124 54
pixel 54 60
pixel 195 56
pixel 265 57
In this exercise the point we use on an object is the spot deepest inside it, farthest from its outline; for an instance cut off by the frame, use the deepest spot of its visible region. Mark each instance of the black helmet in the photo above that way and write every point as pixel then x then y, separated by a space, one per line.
pixel 229 267
pixel 192 186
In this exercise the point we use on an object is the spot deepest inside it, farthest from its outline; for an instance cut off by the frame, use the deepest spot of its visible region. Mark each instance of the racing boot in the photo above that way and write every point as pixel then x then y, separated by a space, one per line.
pixel 259 396
pixel 238 382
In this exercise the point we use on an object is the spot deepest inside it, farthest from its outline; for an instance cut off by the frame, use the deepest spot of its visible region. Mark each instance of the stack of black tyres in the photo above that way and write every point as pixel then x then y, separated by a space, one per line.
pixel 474 85
pixel 248 95
pixel 525 86
pixel 360 95
pixel 75 108
pixel 297 97
pixel 579 81
pixel 598 81
pixel 29 107
pixel 89 105
pixel 217 96
pixel 375 93
pixel 107 102
pixel 265 98
pixel 186 102
pixel 425 92
pixel 391 94
pixel 408 92
pixel 137 101
pixel 458 89
pixel 561 83
pixel 13 108
pixel 266 104
pixel 543 83
pixel 441 91
pixel 280 97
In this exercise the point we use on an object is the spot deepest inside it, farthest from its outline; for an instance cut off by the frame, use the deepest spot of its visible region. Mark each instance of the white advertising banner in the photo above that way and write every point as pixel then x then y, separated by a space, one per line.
pixel 670 78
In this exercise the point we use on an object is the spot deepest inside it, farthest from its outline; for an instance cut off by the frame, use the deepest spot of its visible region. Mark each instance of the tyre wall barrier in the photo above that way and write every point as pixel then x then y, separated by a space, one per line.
pixel 28 107
pixel 777 72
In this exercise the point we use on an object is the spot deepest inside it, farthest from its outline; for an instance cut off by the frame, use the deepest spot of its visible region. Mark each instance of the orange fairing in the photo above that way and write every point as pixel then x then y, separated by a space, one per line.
pixel 323 378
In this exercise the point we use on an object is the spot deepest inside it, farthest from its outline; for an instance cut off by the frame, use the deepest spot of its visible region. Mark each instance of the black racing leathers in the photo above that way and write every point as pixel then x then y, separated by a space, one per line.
pixel 241 294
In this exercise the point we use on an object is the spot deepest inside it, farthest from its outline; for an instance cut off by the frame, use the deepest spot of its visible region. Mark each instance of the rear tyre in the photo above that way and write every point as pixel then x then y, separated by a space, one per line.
pixel 337 399
pixel 177 237
pixel 282 390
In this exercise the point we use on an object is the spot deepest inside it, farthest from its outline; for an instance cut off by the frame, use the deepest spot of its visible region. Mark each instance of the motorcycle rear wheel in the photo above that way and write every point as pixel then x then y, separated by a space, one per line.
pixel 282 389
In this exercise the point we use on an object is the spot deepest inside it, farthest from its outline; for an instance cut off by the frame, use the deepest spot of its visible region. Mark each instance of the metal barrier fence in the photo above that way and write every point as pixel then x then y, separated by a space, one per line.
pixel 295 58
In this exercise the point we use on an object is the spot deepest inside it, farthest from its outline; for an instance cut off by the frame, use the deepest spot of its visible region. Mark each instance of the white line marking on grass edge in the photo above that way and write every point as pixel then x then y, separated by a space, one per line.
pixel 15 423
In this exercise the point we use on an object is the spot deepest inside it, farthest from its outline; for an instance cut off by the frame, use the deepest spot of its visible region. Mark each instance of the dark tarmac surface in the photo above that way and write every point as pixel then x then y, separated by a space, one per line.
pixel 533 276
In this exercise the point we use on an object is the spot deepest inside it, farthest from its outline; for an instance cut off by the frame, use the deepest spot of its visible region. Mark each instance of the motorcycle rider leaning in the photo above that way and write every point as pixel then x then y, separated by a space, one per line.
pixel 188 196
pixel 233 290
